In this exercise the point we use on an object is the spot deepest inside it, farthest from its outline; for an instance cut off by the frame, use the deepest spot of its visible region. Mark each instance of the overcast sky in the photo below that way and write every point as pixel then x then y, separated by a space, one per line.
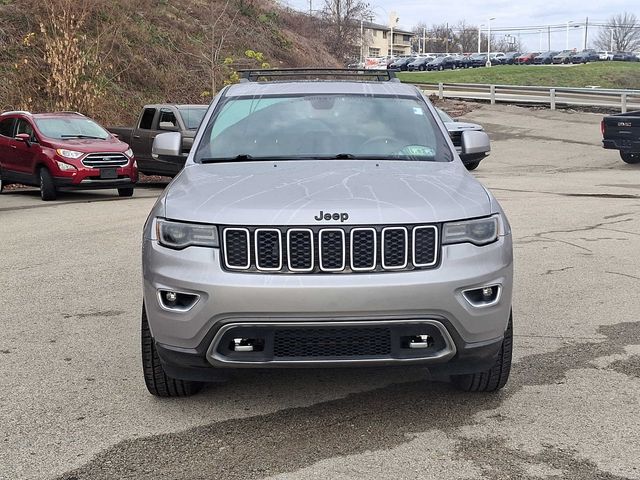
pixel 507 13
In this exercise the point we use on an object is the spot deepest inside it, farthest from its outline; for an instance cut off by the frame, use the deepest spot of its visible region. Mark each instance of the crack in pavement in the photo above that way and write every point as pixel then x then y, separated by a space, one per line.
pixel 376 420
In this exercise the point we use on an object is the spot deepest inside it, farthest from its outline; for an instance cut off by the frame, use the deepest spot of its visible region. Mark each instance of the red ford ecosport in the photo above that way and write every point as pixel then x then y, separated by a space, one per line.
pixel 63 151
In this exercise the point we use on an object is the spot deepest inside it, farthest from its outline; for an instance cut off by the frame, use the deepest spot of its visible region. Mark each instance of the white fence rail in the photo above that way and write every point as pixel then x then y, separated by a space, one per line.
pixel 595 97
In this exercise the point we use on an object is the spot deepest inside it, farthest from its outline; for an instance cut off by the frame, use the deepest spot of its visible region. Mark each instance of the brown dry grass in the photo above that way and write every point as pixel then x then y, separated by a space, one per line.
pixel 128 53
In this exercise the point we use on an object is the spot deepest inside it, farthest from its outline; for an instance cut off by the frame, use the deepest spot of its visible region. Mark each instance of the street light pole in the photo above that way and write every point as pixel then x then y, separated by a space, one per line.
pixel 480 36
pixel 540 39
pixel 488 64
pixel 361 42
pixel 567 44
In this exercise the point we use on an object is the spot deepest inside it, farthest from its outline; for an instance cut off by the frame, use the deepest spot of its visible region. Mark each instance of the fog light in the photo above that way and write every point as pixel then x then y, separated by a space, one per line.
pixel 171 296
pixel 487 292
pixel 247 345
pixel 483 296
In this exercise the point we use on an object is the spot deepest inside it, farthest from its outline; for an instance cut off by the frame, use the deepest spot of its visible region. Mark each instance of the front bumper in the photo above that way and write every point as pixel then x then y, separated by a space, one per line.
pixel 187 337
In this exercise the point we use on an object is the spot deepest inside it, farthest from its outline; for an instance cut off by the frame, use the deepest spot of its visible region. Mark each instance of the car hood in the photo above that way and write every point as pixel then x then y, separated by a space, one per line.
pixel 294 192
pixel 461 126
pixel 90 145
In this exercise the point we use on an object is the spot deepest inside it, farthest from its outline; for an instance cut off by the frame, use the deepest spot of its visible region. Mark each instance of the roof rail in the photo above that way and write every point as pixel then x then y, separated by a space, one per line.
pixel 255 75
pixel 13 112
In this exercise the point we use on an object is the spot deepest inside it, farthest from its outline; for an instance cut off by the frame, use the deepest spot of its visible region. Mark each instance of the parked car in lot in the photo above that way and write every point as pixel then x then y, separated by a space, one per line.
pixel 420 63
pixel 402 64
pixel 455 129
pixel 604 55
pixel 497 58
pixel 624 57
pixel 156 119
pixel 622 132
pixel 63 151
pixel 444 63
pixel 510 58
pixel 474 61
pixel 585 56
pixel 362 243
pixel 527 58
pixel 563 57
pixel 544 58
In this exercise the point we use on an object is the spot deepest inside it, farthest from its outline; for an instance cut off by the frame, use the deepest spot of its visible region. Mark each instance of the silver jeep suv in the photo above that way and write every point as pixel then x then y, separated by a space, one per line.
pixel 324 218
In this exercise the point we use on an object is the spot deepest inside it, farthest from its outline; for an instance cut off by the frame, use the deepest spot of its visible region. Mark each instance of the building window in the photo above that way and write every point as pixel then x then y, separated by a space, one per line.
pixel 384 34
pixel 406 38
pixel 374 52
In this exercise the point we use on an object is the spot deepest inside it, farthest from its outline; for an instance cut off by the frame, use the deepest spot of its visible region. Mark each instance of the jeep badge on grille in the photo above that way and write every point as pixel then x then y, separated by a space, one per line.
pixel 343 217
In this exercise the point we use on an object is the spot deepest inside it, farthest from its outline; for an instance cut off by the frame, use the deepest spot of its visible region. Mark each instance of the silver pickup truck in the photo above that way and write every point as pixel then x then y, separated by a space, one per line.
pixel 156 119
pixel 324 218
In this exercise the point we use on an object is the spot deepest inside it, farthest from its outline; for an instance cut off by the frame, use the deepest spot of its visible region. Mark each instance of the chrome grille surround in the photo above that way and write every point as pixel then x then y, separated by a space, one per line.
pixel 105 160
pixel 331 249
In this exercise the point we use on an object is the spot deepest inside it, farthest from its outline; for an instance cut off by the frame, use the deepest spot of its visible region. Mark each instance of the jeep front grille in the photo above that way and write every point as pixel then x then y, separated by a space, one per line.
pixel 331 249
pixel 100 160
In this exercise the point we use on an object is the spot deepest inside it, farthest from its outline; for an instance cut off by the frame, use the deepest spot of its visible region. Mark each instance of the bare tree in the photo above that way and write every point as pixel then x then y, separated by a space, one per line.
pixel 343 23
pixel 466 37
pixel 621 34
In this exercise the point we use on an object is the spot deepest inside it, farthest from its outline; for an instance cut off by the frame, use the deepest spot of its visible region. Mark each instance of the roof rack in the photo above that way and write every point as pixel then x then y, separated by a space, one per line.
pixel 362 74
pixel 13 112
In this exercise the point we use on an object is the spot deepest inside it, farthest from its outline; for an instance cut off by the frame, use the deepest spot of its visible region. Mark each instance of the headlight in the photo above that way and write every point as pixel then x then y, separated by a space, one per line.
pixel 69 153
pixel 65 167
pixel 129 153
pixel 480 231
pixel 178 235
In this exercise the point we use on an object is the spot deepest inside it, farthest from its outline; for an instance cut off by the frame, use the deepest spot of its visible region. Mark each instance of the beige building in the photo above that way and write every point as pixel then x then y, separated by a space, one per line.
pixel 376 40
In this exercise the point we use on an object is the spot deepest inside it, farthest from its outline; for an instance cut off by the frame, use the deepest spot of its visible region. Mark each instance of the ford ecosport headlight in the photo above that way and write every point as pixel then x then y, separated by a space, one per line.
pixel 479 231
pixel 179 235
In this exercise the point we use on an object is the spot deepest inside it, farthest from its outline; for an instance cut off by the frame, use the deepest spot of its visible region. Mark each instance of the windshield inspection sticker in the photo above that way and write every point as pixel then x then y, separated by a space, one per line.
pixel 418 111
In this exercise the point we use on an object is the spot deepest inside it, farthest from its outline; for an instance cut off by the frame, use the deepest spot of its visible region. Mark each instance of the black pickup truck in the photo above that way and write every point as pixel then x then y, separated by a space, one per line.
pixel 156 119
pixel 622 132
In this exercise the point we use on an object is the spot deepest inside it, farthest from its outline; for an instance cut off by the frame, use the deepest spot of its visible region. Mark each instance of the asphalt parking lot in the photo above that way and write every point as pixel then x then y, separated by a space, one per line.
pixel 73 403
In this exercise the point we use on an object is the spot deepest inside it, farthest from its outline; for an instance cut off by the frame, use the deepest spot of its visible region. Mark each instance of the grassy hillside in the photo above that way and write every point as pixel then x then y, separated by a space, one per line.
pixel 146 51
pixel 603 74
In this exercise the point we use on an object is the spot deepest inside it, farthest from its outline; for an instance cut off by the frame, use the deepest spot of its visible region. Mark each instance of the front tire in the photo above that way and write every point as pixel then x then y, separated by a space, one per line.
pixel 1 182
pixel 47 187
pixel 155 378
pixel 630 157
pixel 495 377
pixel 125 192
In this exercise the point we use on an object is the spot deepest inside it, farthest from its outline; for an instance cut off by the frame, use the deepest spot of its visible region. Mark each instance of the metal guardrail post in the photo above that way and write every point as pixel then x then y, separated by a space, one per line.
pixel 440 91
pixel 552 94
pixel 492 92
pixel 623 101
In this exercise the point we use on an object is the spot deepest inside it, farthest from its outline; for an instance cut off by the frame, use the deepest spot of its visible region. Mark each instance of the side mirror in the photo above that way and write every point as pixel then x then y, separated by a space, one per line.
pixel 167 145
pixel 474 141
pixel 24 137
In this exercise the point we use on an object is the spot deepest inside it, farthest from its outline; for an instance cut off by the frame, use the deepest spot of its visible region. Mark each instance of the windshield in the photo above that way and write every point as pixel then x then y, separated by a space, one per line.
pixel 192 116
pixel 71 127
pixel 322 127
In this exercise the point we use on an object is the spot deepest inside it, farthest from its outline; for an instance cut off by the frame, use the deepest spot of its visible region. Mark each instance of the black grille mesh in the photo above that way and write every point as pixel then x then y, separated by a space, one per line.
pixel 300 253
pixel 332 248
pixel 268 248
pixel 332 342
pixel 364 249
pixel 395 247
pixel 424 246
pixel 237 248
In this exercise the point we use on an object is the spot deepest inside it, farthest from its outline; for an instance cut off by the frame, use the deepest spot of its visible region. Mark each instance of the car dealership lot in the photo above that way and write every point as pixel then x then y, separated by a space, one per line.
pixel 73 403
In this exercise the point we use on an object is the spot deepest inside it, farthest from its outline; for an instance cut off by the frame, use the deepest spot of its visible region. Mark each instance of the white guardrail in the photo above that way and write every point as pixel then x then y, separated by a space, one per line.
pixel 594 97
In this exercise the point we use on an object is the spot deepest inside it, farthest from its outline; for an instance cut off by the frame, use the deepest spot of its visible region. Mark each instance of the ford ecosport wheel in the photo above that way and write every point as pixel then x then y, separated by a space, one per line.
pixel 47 187
pixel 157 381
pixel 495 377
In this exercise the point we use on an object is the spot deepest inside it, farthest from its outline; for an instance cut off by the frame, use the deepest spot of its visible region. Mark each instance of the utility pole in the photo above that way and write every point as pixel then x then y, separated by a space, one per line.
pixel 362 43
pixel 549 37
pixel 611 42
pixel 310 9
pixel 424 40
pixel 479 36
pixel 446 40
pixel 586 33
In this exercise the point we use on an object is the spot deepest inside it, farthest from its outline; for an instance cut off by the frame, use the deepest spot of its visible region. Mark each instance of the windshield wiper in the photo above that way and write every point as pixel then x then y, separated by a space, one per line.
pixel 82 136
pixel 243 157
